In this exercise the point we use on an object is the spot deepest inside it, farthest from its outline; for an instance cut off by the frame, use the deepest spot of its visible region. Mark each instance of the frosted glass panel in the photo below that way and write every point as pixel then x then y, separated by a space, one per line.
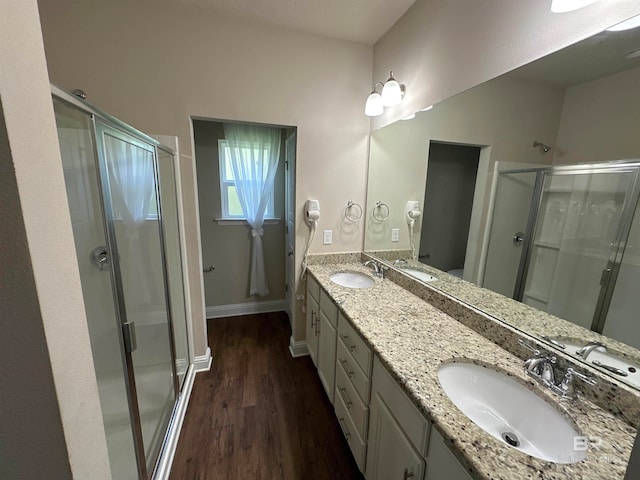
pixel 130 168
pixel 81 178
pixel 512 203
pixel 622 319
pixel 171 229
pixel 574 241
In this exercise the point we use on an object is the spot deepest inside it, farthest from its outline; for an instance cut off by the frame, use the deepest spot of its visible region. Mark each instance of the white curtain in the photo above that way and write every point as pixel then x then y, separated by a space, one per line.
pixel 254 153
pixel 132 181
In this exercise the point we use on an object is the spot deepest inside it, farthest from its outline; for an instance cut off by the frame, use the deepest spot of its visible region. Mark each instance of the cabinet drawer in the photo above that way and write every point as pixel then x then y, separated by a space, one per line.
pixel 313 288
pixel 406 414
pixel 329 308
pixel 354 373
pixel 357 446
pixel 355 345
pixel 357 409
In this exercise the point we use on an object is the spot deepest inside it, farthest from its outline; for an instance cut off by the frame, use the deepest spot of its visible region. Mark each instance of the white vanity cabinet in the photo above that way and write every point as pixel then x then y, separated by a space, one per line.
pixel 327 331
pixel 312 315
pixel 353 385
pixel 321 334
pixel 402 442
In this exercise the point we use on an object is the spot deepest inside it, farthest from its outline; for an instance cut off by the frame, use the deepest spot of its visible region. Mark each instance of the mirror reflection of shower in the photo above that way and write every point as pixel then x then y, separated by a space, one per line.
pixel 545 148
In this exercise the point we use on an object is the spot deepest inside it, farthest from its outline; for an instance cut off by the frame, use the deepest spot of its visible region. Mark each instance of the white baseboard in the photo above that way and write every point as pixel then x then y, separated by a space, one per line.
pixel 202 363
pixel 233 310
pixel 298 349
pixel 175 426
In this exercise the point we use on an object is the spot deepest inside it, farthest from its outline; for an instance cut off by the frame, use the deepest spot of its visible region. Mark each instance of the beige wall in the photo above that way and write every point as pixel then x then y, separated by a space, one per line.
pixel 154 65
pixel 228 247
pixel 49 392
pixel 600 120
pixel 442 47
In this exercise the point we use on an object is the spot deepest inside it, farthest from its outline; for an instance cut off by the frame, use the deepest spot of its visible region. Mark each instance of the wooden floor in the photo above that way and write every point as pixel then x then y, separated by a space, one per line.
pixel 259 413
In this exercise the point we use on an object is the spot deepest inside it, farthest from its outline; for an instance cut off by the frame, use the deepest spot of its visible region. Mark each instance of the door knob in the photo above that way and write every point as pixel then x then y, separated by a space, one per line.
pixel 290 253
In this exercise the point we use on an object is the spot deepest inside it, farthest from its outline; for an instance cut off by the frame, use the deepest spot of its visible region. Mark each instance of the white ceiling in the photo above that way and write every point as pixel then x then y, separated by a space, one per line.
pixel 363 21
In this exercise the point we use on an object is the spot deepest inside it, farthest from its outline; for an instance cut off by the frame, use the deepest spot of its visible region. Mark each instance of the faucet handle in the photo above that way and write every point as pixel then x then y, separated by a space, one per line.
pixel 528 347
pixel 572 373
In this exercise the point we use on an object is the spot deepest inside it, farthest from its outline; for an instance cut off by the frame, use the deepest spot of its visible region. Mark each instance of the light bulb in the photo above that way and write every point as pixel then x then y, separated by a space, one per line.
pixel 373 107
pixel 563 6
pixel 391 92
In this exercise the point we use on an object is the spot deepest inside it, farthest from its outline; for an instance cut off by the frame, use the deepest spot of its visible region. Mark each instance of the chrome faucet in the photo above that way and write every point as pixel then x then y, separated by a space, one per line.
pixel 540 367
pixel 377 267
pixel 586 350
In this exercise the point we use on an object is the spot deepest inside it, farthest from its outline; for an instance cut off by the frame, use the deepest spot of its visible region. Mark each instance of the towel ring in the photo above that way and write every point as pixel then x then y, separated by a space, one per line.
pixel 353 219
pixel 380 205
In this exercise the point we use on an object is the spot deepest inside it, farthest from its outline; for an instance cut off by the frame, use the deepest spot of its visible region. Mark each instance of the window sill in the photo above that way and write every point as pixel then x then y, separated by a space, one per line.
pixel 242 221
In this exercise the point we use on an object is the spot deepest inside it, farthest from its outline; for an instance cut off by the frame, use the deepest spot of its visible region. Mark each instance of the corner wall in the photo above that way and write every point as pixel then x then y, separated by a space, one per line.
pixel 51 419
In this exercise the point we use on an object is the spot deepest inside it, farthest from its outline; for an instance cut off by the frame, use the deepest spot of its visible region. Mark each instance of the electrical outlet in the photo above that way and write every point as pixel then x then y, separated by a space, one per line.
pixel 327 237
pixel 395 234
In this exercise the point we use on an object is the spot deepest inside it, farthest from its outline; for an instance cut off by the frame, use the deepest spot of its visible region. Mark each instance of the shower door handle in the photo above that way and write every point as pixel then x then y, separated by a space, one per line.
pixel 99 256
pixel 129 336
pixel 518 239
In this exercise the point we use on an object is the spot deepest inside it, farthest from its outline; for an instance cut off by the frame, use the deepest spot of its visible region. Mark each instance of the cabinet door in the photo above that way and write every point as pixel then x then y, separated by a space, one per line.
pixel 327 355
pixel 312 328
pixel 391 455
pixel 441 464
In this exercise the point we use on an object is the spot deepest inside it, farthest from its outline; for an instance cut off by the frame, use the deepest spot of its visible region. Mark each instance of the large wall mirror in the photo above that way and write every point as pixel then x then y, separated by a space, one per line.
pixel 526 186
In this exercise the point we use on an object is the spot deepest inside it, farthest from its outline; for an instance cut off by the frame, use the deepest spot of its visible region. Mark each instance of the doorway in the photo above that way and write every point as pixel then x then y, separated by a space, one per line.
pixel 448 203
pixel 226 237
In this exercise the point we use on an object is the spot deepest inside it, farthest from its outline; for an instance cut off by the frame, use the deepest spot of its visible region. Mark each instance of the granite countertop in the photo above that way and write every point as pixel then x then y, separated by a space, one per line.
pixel 412 339
pixel 517 314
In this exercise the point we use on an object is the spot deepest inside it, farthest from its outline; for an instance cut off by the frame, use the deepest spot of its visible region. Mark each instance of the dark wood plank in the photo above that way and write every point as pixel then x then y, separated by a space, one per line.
pixel 258 413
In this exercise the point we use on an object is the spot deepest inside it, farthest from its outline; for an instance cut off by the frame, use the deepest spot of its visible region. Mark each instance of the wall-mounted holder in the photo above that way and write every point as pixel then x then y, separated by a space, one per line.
pixel 380 211
pixel 353 212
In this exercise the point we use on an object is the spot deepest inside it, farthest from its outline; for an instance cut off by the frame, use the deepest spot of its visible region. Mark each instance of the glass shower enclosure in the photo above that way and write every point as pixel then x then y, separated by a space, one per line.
pixel 563 240
pixel 121 189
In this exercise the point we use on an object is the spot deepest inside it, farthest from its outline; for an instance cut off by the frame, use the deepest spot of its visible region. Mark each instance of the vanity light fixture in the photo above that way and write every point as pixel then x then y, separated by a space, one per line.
pixel 409 117
pixel 563 6
pixel 633 22
pixel 391 94
pixel 426 109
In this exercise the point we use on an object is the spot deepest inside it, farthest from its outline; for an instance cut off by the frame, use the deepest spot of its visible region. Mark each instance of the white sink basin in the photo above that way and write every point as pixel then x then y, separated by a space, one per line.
pixel 510 412
pixel 425 277
pixel 352 279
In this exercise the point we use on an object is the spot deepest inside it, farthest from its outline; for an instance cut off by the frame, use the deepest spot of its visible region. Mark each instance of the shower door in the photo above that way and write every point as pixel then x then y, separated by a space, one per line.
pixel 80 164
pixel 576 241
pixel 128 170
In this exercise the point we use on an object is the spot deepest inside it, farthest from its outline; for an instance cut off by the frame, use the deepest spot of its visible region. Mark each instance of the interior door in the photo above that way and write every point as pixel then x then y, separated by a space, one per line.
pixel 290 197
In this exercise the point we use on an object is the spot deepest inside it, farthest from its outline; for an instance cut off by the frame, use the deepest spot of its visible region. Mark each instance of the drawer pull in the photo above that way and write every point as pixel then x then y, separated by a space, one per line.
pixel 346 433
pixel 313 321
pixel 351 347
pixel 343 394
pixel 346 368
pixel 407 474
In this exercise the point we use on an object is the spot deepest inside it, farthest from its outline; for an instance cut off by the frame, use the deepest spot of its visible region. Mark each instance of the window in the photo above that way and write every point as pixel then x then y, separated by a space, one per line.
pixel 230 202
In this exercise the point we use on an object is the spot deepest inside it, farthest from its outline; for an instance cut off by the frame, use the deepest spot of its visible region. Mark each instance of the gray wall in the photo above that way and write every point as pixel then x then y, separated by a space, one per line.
pixel 228 247
pixel 448 200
